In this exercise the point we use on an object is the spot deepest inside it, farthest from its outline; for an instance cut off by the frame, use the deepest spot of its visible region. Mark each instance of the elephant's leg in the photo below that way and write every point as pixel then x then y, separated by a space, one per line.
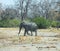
pixel 31 33
pixel 28 33
pixel 36 33
pixel 19 30
pixel 25 33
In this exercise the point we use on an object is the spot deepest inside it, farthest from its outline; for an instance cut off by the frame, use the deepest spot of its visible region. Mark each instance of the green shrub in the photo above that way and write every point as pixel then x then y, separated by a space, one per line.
pixel 4 23
pixel 14 23
pixel 41 22
pixel 55 23
pixel 9 23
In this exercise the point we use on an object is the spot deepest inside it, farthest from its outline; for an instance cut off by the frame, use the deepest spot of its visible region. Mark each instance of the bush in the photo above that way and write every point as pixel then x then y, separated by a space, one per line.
pixel 4 23
pixel 9 23
pixel 41 22
pixel 14 23
pixel 55 23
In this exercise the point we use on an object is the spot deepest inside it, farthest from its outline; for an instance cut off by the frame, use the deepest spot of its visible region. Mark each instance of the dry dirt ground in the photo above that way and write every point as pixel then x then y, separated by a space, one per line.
pixel 47 40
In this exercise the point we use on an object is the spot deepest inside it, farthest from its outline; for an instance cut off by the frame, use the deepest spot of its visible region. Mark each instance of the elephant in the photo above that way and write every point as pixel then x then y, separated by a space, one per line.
pixel 30 26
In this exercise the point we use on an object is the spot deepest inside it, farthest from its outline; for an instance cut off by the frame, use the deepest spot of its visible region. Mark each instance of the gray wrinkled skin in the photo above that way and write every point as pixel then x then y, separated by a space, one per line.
pixel 28 26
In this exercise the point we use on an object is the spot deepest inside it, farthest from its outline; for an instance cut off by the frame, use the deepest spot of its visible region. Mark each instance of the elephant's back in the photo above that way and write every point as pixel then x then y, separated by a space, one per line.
pixel 31 24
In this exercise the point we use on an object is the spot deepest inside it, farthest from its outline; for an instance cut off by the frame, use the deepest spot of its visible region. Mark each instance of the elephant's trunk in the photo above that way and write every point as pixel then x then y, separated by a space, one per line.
pixel 19 29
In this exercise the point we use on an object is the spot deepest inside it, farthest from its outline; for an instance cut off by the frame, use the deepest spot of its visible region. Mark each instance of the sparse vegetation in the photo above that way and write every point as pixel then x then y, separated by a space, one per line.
pixel 42 22
pixel 9 23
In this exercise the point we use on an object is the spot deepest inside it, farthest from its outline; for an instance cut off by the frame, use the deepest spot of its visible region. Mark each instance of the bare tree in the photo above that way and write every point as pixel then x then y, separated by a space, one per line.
pixel 9 13
pixel 1 10
pixel 45 6
pixel 23 6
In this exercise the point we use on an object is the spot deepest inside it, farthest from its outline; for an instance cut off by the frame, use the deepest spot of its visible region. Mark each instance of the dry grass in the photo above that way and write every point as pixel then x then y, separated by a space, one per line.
pixel 30 39
pixel 9 37
pixel 50 30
